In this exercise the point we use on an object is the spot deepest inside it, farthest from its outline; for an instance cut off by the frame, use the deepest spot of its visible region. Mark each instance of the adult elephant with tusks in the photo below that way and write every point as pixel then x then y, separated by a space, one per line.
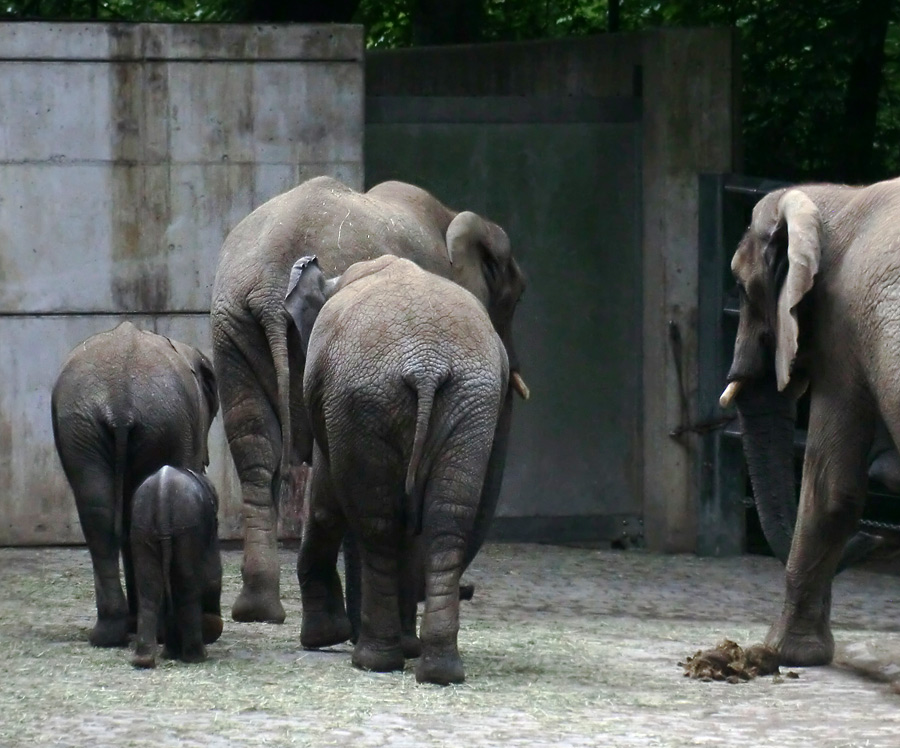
pixel 818 271
pixel 259 361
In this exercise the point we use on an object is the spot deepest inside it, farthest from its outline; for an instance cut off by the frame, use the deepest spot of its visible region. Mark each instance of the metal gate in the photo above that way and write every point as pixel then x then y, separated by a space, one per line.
pixel 563 177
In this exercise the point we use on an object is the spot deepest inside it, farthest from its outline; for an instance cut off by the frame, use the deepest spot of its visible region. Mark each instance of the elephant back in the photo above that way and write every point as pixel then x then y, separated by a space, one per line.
pixel 324 217
pixel 380 323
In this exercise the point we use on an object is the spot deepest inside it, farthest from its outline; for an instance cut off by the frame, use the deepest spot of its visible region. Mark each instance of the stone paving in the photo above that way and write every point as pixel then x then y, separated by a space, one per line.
pixel 562 647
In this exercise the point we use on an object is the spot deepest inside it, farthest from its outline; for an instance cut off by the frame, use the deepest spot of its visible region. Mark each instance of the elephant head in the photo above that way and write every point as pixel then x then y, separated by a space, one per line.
pixel 775 266
pixel 475 245
pixel 307 292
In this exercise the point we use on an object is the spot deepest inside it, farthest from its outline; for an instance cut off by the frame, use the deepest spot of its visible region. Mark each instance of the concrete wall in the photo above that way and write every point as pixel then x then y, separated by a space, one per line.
pixel 127 152
pixel 683 82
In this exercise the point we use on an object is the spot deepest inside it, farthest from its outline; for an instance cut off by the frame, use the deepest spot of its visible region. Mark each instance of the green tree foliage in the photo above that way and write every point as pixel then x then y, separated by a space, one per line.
pixel 820 88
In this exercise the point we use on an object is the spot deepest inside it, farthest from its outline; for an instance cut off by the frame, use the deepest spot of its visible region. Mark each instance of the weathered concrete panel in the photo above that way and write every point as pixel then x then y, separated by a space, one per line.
pixel 296 42
pixel 40 99
pixel 55 232
pixel 127 153
pixel 128 41
pixel 249 113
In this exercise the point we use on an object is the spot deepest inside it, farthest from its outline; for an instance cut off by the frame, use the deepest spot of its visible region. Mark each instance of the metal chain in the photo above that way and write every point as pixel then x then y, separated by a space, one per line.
pixel 880 525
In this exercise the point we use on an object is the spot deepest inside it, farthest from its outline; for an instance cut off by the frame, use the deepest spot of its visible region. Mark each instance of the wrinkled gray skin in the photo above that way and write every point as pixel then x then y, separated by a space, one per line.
pixel 177 565
pixel 405 381
pixel 126 402
pixel 818 269
pixel 259 364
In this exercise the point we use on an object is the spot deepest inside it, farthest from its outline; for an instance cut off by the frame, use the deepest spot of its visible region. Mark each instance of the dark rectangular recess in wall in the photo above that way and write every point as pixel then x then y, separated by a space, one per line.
pixel 501 109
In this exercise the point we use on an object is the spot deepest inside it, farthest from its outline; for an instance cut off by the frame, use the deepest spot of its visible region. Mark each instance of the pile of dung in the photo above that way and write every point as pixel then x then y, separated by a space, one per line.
pixel 731 663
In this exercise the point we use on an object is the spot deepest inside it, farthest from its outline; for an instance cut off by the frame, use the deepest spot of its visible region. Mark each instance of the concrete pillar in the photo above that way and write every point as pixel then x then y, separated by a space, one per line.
pixel 688 129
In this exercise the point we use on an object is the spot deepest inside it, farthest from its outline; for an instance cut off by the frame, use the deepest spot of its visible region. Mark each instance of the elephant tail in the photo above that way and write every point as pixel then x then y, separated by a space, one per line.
pixel 120 457
pixel 425 390
pixel 276 335
pixel 164 525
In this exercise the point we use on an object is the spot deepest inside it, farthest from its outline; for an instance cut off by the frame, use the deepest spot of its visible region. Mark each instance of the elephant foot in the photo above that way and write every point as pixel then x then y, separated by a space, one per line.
pixel 257 606
pixel 441 668
pixel 324 630
pixel 411 646
pixel 366 656
pixel 110 632
pixel 144 660
pixel 193 655
pixel 466 591
pixel 212 627
pixel 801 649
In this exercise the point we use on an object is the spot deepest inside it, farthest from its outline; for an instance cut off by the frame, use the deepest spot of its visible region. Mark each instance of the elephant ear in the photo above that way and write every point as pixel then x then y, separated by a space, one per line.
pixel 204 374
pixel 468 234
pixel 804 231
pixel 306 295
pixel 206 377
pixel 206 487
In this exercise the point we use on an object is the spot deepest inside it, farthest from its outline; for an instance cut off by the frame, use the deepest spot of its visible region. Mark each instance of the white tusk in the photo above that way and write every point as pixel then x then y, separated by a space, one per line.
pixel 729 393
pixel 519 385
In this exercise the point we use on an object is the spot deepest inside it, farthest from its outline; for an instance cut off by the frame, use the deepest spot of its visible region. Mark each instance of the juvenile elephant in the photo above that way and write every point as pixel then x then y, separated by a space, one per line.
pixel 177 565
pixel 260 374
pixel 126 402
pixel 818 272
pixel 405 382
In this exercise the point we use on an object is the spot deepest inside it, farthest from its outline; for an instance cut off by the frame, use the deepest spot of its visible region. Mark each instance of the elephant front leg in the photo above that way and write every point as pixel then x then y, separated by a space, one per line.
pixel 325 620
pixel 831 501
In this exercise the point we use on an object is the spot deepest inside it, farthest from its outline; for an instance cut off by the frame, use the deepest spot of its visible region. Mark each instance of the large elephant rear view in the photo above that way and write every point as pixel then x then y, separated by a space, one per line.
pixel 260 369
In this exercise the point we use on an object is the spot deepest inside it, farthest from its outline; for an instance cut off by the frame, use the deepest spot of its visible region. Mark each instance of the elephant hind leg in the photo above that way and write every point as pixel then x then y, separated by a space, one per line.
pixel 94 491
pixel 448 526
pixel 380 644
pixel 254 438
pixel 149 590
pixel 411 583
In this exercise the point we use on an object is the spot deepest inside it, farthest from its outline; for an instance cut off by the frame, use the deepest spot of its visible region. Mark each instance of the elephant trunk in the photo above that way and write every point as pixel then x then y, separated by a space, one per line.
pixel 767 423
pixel 767 419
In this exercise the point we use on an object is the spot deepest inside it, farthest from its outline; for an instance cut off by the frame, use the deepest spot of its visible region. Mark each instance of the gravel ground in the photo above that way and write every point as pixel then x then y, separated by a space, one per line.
pixel 562 647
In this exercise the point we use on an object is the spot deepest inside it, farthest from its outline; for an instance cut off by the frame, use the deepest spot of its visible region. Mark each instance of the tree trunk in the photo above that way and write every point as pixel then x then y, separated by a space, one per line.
pixel 612 15
pixel 856 144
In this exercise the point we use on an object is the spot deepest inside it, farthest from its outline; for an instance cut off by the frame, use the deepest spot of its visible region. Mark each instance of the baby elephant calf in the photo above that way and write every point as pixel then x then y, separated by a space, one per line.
pixel 177 565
